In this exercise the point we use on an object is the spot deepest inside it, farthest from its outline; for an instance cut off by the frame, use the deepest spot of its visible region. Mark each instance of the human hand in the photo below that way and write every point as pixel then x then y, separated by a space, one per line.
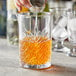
pixel 20 3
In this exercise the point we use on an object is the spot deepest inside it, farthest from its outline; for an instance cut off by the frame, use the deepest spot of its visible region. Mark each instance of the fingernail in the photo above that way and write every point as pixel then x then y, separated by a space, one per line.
pixel 19 9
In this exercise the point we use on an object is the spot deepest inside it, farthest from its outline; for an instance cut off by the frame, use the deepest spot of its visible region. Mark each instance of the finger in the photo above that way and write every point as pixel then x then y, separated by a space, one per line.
pixel 28 1
pixel 45 1
pixel 25 3
pixel 18 7
pixel 17 2
pixel 20 2
pixel 28 4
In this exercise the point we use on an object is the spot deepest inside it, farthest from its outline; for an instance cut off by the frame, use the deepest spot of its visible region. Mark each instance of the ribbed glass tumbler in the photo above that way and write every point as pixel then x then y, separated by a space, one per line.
pixel 35 40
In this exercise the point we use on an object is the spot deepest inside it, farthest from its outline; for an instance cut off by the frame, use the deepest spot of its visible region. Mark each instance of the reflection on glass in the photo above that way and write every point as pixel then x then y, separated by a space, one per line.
pixel 12 23
pixel 72 32
pixel 59 30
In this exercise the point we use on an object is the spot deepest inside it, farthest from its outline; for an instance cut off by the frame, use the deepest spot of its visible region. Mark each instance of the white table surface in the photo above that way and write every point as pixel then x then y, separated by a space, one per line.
pixel 62 65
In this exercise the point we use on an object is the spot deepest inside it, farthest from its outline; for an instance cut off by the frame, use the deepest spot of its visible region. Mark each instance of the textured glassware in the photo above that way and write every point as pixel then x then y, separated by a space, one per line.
pixel 37 5
pixel 72 32
pixel 59 32
pixel 12 24
pixel 35 41
pixel 12 29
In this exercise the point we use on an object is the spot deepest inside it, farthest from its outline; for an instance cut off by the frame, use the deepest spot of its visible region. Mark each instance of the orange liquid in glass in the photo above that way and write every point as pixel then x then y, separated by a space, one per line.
pixel 35 50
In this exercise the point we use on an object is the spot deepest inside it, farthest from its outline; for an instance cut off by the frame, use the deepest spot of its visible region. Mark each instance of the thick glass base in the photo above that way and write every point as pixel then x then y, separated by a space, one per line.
pixel 72 52
pixel 58 47
pixel 35 66
pixel 61 49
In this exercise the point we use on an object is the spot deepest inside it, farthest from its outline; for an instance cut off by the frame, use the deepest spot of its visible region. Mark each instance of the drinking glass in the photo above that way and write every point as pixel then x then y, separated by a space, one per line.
pixel 35 40
pixel 12 24
pixel 59 32
pixel 72 32
pixel 37 5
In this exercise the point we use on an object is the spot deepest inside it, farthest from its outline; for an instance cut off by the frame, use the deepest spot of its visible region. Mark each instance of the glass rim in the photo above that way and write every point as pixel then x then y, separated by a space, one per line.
pixel 34 14
pixel 73 12
pixel 57 7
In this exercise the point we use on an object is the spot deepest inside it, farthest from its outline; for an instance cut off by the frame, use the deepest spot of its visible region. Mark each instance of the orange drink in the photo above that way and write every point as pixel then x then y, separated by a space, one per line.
pixel 35 40
pixel 35 50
